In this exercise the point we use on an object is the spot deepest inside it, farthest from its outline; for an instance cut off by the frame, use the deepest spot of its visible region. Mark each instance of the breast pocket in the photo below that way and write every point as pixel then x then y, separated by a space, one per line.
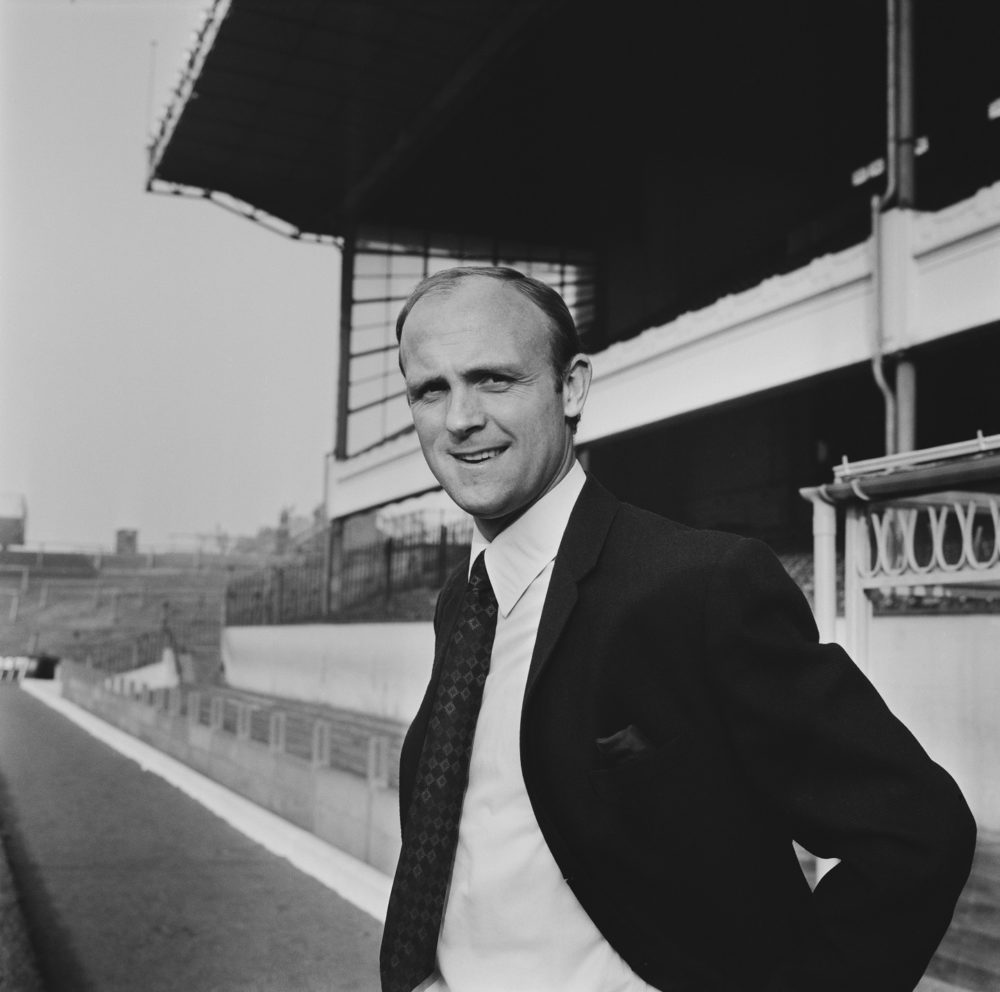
pixel 637 777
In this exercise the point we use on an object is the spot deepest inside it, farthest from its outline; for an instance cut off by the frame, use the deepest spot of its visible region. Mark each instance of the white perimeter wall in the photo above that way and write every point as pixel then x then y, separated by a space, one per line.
pixel 369 667
pixel 941 677
pixel 161 674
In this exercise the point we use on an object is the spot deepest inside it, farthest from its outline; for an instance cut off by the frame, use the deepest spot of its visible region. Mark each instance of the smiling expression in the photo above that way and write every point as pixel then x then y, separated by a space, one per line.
pixel 484 399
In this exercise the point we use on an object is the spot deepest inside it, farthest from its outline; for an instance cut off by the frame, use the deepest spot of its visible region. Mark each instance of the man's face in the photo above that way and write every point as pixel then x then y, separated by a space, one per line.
pixel 482 393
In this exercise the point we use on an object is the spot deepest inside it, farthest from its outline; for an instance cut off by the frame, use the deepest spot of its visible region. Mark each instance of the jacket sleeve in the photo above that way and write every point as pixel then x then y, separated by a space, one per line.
pixel 819 744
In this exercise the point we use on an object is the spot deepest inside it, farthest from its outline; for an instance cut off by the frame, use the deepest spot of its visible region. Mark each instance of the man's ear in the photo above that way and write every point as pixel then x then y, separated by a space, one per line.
pixel 576 385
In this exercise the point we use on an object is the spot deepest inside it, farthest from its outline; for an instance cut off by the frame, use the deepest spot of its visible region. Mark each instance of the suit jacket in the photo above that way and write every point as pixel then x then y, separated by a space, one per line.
pixel 681 726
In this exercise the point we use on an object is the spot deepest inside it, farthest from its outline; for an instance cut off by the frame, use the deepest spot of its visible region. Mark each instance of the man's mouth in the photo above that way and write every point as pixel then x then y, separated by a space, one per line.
pixel 477 457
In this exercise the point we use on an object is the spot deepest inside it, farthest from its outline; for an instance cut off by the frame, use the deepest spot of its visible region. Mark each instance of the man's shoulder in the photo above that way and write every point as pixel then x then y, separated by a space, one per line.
pixel 640 540
pixel 644 528
pixel 646 554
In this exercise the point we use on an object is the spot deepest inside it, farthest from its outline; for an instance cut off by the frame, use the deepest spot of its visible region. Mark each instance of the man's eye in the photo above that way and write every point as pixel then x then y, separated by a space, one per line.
pixel 495 379
pixel 428 392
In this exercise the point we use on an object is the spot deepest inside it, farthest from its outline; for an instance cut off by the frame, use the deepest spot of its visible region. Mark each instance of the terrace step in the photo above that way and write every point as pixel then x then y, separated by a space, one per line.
pixel 969 955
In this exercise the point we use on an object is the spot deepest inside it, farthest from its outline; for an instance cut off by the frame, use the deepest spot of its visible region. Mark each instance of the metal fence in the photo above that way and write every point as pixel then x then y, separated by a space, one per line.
pixel 326 737
pixel 320 588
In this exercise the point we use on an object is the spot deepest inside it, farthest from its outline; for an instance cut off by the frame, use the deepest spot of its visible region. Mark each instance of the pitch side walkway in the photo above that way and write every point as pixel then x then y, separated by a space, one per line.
pixel 126 883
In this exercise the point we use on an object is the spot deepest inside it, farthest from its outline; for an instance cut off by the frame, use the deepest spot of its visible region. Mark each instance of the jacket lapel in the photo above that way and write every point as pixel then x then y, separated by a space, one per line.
pixel 578 553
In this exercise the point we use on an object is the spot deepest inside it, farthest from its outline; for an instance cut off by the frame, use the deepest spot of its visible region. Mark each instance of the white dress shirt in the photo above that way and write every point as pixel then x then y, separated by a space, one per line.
pixel 511 923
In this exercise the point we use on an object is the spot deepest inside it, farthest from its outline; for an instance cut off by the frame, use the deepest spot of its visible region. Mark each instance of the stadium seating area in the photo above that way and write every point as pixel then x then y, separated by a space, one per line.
pixel 117 611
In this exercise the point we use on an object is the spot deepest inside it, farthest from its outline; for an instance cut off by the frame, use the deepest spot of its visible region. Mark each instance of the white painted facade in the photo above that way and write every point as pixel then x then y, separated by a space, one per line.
pixel 942 276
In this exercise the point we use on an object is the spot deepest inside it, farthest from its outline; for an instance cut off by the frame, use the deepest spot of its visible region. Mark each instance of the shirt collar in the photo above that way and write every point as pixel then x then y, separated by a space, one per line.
pixel 520 552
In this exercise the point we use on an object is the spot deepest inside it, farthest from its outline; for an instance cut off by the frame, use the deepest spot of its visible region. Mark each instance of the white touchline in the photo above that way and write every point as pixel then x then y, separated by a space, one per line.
pixel 357 882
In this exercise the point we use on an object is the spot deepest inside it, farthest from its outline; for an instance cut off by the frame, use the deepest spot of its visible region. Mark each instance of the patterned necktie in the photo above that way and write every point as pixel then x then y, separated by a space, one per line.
pixel 416 905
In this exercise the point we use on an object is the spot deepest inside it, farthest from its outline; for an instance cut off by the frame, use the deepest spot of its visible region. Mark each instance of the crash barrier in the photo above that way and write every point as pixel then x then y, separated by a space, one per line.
pixel 332 773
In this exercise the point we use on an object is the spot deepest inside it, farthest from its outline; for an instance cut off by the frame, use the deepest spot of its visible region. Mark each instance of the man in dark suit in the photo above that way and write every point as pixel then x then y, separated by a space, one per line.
pixel 629 722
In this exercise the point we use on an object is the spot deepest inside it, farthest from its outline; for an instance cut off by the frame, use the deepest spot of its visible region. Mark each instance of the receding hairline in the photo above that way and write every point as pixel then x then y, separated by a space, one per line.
pixel 563 337
pixel 449 281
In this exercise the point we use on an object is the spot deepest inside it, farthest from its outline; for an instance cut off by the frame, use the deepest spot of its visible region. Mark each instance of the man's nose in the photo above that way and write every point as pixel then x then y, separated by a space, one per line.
pixel 465 412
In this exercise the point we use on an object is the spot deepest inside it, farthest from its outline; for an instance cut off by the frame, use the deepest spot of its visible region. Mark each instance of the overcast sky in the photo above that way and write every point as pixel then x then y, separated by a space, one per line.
pixel 164 365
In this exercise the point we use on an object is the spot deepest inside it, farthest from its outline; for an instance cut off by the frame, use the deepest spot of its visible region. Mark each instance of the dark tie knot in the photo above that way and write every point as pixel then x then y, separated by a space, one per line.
pixel 478 573
pixel 479 586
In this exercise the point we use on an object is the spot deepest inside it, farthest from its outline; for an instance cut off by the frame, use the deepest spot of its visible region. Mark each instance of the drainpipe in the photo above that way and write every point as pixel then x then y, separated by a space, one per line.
pixel 906 405
pixel 906 159
pixel 900 404
pixel 906 139
pixel 878 360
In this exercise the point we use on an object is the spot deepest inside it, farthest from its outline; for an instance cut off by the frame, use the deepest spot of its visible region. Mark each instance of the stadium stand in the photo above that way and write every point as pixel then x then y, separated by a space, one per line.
pixel 116 611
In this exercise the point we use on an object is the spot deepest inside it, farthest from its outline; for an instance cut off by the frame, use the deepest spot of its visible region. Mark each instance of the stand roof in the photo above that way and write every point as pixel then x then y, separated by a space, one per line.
pixel 552 121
